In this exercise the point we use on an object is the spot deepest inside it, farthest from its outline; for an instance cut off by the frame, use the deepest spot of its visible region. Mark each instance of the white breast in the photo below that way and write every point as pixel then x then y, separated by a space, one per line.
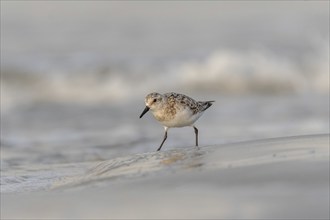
pixel 182 118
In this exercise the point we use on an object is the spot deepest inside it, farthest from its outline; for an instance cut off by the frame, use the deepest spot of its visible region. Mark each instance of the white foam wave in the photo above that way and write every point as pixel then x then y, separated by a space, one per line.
pixel 255 71
pixel 225 71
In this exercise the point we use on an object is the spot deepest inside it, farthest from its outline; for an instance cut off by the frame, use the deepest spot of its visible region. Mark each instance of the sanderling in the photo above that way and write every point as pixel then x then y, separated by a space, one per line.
pixel 175 110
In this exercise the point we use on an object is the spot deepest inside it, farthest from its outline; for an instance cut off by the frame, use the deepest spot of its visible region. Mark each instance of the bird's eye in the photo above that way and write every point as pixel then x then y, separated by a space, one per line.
pixel 155 100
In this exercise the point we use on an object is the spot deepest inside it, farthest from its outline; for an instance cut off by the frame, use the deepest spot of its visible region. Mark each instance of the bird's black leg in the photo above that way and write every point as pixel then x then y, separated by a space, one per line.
pixel 196 133
pixel 165 136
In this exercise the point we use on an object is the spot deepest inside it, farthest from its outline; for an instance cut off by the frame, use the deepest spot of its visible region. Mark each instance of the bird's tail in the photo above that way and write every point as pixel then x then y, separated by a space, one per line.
pixel 206 104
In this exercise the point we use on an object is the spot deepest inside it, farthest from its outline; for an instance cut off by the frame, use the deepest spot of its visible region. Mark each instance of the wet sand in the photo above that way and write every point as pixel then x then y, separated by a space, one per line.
pixel 272 178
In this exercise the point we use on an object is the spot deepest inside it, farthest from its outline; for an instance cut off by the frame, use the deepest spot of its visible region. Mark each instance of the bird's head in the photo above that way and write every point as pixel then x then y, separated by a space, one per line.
pixel 153 101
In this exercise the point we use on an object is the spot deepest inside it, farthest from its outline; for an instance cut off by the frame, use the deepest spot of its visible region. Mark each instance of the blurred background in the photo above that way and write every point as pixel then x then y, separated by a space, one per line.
pixel 74 74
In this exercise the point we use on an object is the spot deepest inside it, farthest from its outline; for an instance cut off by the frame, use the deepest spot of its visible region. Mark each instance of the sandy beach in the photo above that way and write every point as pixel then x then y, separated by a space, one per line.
pixel 270 178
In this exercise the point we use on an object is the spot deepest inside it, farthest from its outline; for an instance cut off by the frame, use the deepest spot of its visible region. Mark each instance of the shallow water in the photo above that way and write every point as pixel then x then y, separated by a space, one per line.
pixel 52 133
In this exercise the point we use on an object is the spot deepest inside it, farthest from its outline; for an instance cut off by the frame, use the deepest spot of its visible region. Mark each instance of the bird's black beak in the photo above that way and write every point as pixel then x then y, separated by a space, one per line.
pixel 144 111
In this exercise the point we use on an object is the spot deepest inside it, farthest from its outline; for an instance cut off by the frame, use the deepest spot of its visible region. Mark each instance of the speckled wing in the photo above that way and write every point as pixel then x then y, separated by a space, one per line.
pixel 184 100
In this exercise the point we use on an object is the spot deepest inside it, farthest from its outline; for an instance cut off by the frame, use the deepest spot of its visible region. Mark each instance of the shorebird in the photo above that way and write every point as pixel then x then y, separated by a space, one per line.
pixel 175 110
